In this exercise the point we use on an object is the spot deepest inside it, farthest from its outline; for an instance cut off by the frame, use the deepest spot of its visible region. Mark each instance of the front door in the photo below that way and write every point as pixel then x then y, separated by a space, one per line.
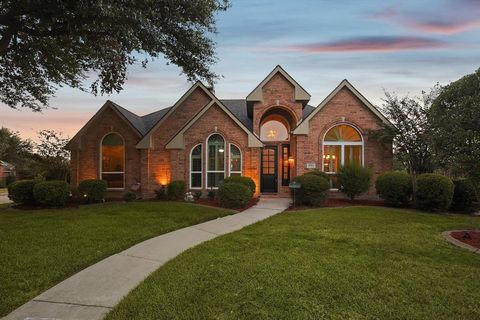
pixel 268 180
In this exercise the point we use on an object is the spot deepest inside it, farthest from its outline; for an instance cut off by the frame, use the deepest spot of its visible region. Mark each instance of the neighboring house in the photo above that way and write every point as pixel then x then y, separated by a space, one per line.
pixel 6 169
pixel 271 136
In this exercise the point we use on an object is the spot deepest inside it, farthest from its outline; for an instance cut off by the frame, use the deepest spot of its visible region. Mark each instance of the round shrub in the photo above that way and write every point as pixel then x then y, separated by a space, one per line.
pixel 21 191
pixel 129 196
pixel 313 190
pixel 176 190
pixel 319 173
pixel 246 181
pixel 395 188
pixel 434 192
pixel 51 193
pixel 464 197
pixel 354 180
pixel 234 195
pixel 92 190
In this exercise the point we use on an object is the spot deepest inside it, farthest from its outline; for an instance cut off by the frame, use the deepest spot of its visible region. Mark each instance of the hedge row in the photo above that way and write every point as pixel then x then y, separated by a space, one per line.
pixel 50 193
pixel 434 192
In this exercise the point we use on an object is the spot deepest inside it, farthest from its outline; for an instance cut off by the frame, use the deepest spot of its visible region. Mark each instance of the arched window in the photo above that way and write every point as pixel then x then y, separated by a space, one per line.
pixel 196 167
pixel 273 130
pixel 235 161
pixel 215 160
pixel 342 145
pixel 112 157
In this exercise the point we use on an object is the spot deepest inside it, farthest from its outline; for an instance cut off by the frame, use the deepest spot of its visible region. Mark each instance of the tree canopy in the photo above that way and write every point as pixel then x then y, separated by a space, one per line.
pixel 410 130
pixel 455 125
pixel 53 43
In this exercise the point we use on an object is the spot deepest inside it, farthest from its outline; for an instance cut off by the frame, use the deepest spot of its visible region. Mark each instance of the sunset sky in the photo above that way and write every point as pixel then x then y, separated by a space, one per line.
pixel 399 46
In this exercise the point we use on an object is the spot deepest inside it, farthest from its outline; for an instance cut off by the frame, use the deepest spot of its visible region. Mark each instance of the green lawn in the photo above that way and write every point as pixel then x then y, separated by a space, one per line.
pixel 40 248
pixel 339 263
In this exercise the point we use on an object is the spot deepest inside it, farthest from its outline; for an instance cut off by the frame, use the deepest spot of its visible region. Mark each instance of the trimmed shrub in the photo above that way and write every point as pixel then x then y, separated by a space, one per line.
pixel 129 196
pixel 464 198
pixel 434 192
pixel 234 195
pixel 246 181
pixel 92 190
pixel 3 183
pixel 395 188
pixel 21 191
pixel 211 194
pixel 51 193
pixel 10 179
pixel 161 193
pixel 354 180
pixel 176 190
pixel 313 190
pixel 319 173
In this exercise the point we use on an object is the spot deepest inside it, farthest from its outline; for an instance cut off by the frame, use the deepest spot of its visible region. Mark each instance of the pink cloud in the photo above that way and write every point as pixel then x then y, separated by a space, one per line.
pixel 368 44
pixel 442 27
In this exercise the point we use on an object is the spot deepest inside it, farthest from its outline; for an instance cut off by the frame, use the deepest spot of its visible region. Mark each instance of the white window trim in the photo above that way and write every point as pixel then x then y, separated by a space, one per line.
pixel 230 159
pixel 342 144
pixel 206 161
pixel 191 168
pixel 101 172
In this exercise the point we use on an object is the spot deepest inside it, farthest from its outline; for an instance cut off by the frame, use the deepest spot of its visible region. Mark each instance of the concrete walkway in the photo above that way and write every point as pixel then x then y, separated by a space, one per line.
pixel 92 292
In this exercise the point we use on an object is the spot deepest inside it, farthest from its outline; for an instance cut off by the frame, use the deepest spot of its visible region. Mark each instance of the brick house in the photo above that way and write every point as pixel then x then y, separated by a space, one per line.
pixel 271 136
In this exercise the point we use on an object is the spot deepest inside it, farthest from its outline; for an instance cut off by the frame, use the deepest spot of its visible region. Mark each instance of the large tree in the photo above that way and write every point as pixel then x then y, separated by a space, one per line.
pixel 455 125
pixel 45 44
pixel 409 131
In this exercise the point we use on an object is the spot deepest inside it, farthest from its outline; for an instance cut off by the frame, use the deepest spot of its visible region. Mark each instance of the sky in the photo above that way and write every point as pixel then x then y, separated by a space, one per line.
pixel 398 46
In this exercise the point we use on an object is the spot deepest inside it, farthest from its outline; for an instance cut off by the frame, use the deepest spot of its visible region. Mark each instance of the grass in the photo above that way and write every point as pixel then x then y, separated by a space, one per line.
pixel 338 263
pixel 40 248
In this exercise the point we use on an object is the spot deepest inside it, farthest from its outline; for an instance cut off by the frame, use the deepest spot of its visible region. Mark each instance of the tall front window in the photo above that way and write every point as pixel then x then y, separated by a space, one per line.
pixel 235 161
pixel 196 167
pixel 342 145
pixel 113 161
pixel 215 160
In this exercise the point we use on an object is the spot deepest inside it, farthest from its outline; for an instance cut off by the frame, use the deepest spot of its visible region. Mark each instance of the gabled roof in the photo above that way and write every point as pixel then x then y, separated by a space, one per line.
pixel 235 112
pixel 300 93
pixel 177 142
pixel 130 119
pixel 303 127
pixel 239 109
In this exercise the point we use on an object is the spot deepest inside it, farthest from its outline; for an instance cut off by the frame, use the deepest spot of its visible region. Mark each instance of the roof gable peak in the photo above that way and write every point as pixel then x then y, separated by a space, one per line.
pixel 300 93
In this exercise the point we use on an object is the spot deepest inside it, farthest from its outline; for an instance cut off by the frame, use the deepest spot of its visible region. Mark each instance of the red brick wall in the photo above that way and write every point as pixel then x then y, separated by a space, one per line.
pixel 86 159
pixel 215 120
pixel 280 90
pixel 377 156
pixel 162 162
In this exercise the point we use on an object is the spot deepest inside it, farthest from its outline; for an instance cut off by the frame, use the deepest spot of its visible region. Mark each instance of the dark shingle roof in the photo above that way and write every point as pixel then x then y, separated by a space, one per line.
pixel 239 109
pixel 149 120
pixel 307 110
pixel 237 106
pixel 135 120
pixel 142 124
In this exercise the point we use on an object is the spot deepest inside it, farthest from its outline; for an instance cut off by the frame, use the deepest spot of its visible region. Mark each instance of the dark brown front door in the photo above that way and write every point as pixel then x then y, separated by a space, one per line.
pixel 268 180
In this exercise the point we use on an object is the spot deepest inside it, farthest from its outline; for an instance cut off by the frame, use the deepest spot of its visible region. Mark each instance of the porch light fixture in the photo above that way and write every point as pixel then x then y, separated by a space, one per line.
pixel 328 157
pixel 291 160
pixel 221 150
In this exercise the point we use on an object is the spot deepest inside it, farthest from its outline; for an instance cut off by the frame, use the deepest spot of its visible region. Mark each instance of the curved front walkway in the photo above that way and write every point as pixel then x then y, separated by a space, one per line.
pixel 92 292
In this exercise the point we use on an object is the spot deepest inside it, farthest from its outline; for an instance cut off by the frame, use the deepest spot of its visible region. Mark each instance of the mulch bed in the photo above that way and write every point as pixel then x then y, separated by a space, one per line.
pixel 332 203
pixel 469 237
pixel 214 203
